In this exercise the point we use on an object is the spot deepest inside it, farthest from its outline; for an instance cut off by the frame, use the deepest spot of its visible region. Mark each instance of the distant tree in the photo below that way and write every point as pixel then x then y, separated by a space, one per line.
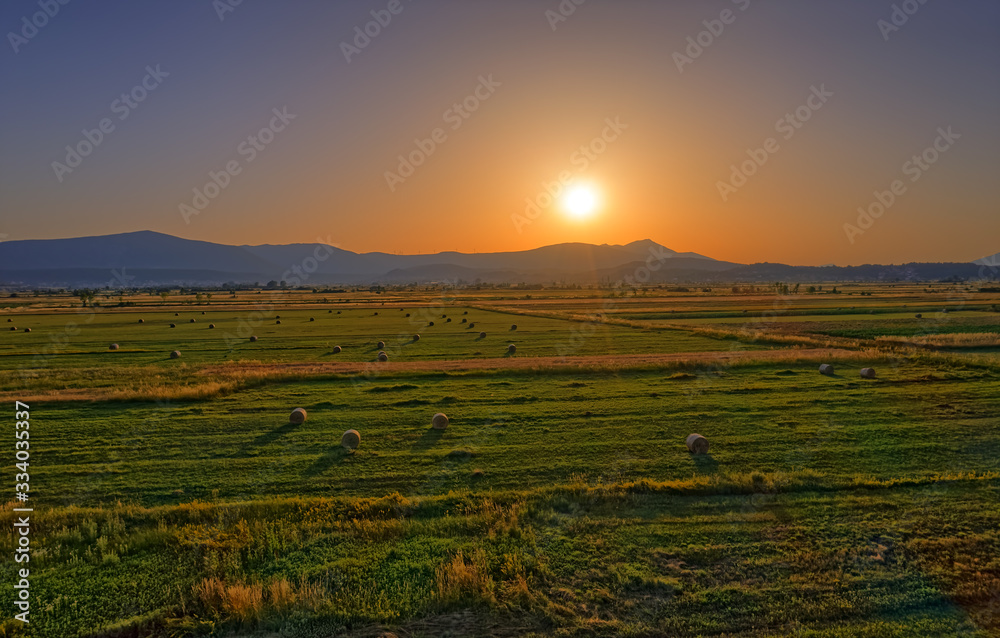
pixel 164 295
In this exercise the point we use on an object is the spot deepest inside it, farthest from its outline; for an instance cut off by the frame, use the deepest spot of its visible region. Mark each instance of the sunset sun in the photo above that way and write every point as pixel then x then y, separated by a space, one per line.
pixel 580 201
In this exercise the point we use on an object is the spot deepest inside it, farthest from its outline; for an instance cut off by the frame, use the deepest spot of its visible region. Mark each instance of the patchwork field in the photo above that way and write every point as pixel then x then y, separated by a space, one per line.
pixel 173 497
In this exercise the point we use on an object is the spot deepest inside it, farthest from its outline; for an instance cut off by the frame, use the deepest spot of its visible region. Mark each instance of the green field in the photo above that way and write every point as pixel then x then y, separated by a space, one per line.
pixel 173 497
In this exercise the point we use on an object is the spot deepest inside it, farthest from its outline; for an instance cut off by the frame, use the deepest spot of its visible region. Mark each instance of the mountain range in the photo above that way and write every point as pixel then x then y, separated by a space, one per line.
pixel 148 258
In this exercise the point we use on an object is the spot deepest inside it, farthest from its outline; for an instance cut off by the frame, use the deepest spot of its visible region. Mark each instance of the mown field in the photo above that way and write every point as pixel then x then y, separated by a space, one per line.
pixel 174 498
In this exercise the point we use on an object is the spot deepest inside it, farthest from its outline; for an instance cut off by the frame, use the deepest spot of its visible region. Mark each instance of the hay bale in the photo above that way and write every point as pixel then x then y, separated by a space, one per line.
pixel 697 444
pixel 192 320
pixel 298 416
pixel 380 345
pixel 312 318
pixel 443 316
pixel 464 320
pixel 13 327
pixel 27 329
pixel 375 315
pixel 416 337
pixel 338 312
pixel 351 439
pixel 253 338
pixel 383 356
pixel 202 312
pixel 511 349
pixel 407 314
pixel 113 346
pixel 176 354
pixel 472 325
pixel 430 323
pixel 867 373
pixel 329 312
pixel 173 325
pixel 826 369
pixel 482 335
pixel 211 325
pixel 10 321
pixel 439 421
pixel 919 316
pixel 466 312
pixel 514 327
pixel 177 314
pixel 277 316
pixel 278 322
pixel 449 320
pixel 140 321
pixel 336 349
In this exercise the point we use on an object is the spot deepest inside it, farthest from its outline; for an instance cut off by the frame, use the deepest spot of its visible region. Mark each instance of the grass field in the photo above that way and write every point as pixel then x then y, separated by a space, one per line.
pixel 173 497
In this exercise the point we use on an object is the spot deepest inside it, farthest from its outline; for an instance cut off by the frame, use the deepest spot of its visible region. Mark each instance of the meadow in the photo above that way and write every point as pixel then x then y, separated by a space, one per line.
pixel 174 498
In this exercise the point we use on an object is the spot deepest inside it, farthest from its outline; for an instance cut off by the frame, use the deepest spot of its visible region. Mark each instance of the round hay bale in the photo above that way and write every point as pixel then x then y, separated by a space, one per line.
pixel 253 338
pixel 211 325
pixel 466 312
pixel 867 373
pixel 312 318
pixel 511 349
pixel 464 320
pixel 439 421
pixel 13 327
pixel 177 314
pixel 329 312
pixel 142 321
pixel 407 314
pixel 277 322
pixel 416 337
pixel 113 346
pixel 443 316
pixel 514 327
pixel 482 335
pixel 351 439
pixel 697 444
pixel 380 345
pixel 336 349
pixel 449 320
pixel 383 356
pixel 176 354
pixel 944 310
pixel 919 316
pixel 10 321
pixel 202 312
pixel 27 329
pixel 277 316
pixel 826 369
pixel 173 325
pixel 472 325
pixel 430 323
pixel 338 312
pixel 298 416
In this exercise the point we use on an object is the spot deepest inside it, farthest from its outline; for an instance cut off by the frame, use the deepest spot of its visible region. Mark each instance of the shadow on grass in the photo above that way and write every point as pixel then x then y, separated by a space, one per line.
pixel 705 464
pixel 331 457
pixel 264 439
pixel 427 440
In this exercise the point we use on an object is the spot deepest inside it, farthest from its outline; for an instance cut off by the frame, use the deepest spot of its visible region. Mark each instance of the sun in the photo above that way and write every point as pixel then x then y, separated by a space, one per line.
pixel 580 201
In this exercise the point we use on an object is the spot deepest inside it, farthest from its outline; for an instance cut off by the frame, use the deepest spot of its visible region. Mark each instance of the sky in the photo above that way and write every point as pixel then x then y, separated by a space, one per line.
pixel 745 130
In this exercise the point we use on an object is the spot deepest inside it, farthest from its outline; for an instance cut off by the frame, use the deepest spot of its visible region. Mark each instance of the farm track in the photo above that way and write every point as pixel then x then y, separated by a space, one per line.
pixel 616 361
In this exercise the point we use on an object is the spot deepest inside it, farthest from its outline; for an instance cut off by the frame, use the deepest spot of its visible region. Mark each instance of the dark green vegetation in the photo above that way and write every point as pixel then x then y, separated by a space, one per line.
pixel 560 501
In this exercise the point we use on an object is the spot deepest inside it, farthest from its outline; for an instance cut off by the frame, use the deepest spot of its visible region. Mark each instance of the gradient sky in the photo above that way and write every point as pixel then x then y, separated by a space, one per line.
pixel 323 176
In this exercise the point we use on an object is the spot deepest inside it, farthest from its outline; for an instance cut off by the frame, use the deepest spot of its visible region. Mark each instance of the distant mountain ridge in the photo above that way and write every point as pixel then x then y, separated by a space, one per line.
pixel 147 258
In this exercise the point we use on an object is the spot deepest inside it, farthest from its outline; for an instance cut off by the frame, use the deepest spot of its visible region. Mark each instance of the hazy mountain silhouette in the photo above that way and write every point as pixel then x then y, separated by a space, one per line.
pixel 149 258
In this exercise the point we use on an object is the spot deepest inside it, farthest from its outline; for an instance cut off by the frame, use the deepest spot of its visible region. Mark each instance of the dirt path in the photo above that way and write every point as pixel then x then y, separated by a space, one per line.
pixel 617 361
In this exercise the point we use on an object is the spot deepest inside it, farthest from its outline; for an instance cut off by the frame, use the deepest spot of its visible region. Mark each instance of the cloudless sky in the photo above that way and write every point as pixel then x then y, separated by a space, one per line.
pixel 552 91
